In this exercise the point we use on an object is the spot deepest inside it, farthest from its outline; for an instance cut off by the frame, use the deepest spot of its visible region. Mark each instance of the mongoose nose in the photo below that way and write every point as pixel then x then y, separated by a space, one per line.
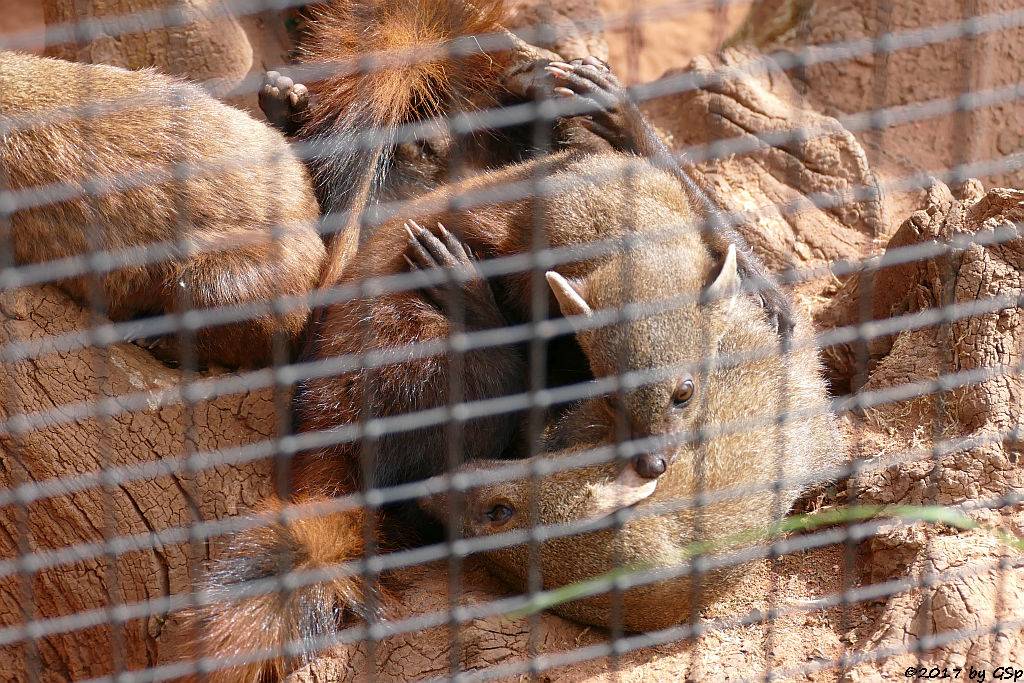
pixel 649 465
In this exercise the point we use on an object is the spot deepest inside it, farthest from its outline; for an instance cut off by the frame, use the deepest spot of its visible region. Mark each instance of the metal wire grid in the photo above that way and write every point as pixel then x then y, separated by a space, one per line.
pixel 538 399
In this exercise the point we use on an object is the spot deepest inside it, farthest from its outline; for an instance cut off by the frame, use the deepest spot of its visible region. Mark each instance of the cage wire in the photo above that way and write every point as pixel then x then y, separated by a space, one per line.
pixel 117 634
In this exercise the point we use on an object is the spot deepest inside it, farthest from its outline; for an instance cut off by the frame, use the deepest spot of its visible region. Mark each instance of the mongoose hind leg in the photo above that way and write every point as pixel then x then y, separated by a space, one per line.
pixel 284 102
pixel 611 114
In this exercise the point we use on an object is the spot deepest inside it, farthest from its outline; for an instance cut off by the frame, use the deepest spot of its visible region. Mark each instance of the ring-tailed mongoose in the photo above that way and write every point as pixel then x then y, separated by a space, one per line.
pixel 625 234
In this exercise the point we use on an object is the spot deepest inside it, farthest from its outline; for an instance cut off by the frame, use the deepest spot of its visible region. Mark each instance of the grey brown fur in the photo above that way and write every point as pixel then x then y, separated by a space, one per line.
pixel 241 198
pixel 636 209
pixel 737 404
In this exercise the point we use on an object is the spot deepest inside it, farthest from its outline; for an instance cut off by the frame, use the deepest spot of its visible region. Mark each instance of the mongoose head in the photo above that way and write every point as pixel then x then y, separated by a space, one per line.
pixel 763 434
pixel 660 336
pixel 567 495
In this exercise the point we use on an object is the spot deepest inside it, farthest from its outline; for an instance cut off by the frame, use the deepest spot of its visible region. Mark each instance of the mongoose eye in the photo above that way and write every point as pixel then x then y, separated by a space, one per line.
pixel 683 393
pixel 499 514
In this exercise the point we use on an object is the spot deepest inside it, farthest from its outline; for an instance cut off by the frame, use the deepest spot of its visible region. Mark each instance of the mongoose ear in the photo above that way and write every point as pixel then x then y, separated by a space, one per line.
pixel 570 300
pixel 625 490
pixel 727 284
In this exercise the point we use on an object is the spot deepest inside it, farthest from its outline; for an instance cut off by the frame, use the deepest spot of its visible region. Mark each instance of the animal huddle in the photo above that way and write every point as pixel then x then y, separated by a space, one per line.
pixel 684 336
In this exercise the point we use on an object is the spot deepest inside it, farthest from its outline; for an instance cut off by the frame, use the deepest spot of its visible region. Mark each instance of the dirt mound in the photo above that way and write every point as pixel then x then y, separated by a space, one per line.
pixel 955 444
pixel 934 60
pixel 742 99
pixel 646 38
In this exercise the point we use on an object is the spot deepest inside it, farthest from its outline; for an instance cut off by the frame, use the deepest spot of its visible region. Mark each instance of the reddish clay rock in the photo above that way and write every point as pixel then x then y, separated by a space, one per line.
pixel 646 38
pixel 989 64
pixel 499 646
pixel 220 49
pixel 959 447
pixel 743 100
pixel 572 29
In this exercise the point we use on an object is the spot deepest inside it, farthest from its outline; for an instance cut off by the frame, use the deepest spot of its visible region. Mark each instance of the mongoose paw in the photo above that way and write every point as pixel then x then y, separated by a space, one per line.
pixel 609 112
pixel 528 80
pixel 169 350
pixel 588 78
pixel 464 293
pixel 284 102
pixel 777 307
pixel 166 349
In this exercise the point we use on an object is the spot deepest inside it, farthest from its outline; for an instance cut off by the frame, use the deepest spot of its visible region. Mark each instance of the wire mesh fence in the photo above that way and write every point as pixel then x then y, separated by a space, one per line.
pixel 504 342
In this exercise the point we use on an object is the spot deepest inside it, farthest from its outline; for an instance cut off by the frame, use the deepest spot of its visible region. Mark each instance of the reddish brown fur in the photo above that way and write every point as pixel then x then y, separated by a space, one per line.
pixel 581 211
pixel 247 204
pixel 398 30
pixel 393 63
pixel 390 62
pixel 232 626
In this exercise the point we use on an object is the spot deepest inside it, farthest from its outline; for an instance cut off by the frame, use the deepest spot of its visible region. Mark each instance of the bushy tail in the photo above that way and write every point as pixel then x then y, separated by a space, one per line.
pixel 277 628
pixel 391 59
pixel 388 63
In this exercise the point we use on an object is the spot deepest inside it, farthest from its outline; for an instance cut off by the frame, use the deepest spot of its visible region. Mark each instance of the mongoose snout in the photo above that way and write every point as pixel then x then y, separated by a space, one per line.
pixel 653 465
pixel 650 465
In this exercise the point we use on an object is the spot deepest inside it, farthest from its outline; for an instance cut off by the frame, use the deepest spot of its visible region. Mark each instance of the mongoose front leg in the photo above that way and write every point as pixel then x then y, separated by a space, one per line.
pixel 425 252
pixel 612 115
pixel 284 102
pixel 619 121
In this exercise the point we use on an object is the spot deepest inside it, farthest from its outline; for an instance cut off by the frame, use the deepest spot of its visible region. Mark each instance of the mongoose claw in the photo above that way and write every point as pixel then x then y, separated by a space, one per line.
pixel 610 114
pixel 284 102
pixel 166 349
pixel 776 304
pixel 780 314
pixel 586 77
pixel 465 293
pixel 589 80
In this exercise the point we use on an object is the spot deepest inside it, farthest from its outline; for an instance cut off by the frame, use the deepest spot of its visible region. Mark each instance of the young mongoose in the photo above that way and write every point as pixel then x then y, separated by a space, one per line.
pixel 385 64
pixel 760 418
pixel 99 159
